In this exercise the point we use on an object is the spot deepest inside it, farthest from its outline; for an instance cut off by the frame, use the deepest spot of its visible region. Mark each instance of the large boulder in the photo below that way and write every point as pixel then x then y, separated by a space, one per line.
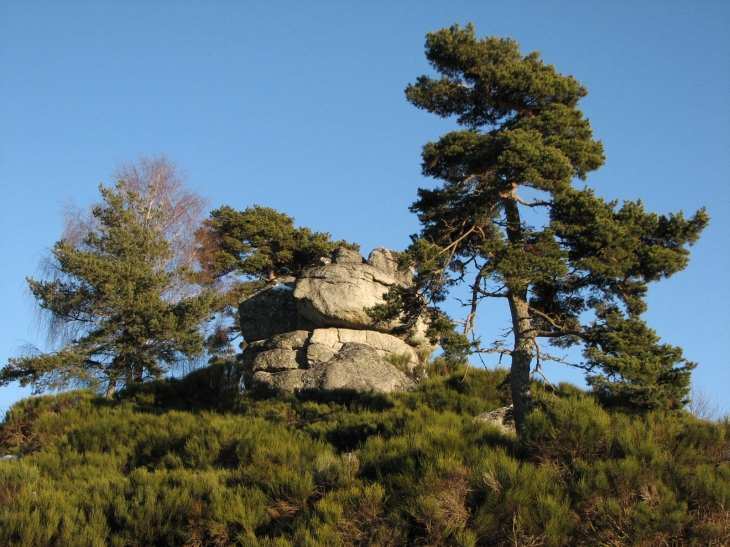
pixel 277 359
pixel 282 352
pixel 337 294
pixel 359 367
pixel 325 342
pixel 270 312
pixel 355 366
pixel 334 294
pixel 304 349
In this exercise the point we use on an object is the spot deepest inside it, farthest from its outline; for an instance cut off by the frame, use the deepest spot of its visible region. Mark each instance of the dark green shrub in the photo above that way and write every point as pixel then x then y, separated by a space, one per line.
pixel 566 429
pixel 347 469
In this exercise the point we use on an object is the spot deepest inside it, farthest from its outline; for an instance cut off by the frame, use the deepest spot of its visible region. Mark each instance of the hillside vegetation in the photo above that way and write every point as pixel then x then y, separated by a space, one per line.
pixel 195 462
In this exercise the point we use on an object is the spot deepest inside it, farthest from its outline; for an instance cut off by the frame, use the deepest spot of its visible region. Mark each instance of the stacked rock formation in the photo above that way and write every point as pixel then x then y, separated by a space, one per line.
pixel 313 332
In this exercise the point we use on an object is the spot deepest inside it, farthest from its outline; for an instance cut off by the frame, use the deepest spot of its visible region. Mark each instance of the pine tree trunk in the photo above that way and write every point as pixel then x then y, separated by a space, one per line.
pixel 111 388
pixel 524 336
pixel 521 359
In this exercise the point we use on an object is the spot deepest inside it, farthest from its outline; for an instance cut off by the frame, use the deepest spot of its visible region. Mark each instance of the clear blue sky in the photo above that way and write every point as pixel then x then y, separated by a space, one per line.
pixel 299 106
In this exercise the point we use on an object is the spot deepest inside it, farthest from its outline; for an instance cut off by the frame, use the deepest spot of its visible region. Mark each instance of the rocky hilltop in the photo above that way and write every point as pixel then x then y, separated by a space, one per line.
pixel 313 332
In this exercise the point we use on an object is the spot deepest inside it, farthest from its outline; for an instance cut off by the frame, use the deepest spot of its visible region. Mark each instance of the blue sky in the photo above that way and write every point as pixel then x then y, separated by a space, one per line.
pixel 299 106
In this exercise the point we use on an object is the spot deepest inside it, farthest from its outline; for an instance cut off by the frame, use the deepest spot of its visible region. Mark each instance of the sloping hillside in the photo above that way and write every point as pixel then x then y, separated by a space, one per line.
pixel 194 462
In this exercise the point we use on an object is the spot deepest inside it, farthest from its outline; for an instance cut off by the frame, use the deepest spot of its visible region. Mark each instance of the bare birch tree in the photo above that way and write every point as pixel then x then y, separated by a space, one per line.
pixel 178 211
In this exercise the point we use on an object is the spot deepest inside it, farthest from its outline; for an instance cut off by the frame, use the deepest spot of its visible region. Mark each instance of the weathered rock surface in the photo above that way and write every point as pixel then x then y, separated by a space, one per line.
pixel 343 255
pixel 334 294
pixel 384 344
pixel 387 261
pixel 291 380
pixel 358 366
pixel 501 418
pixel 289 340
pixel 308 349
pixel 269 312
pixel 337 295
pixel 355 366
pixel 313 332
pixel 278 359
pixel 319 353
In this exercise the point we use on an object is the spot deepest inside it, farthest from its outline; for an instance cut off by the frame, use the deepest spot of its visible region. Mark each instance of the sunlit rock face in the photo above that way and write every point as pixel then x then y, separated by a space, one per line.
pixel 336 295
pixel 314 333
pixel 326 359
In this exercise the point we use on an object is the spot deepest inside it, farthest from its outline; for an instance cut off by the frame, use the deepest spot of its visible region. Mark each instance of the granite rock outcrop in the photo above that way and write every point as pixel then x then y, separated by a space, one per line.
pixel 314 333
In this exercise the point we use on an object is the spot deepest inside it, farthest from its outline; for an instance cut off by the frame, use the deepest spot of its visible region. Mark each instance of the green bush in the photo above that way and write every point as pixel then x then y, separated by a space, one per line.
pixel 163 466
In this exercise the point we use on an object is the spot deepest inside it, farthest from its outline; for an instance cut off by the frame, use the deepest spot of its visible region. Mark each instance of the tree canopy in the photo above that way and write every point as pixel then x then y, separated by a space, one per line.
pixel 113 299
pixel 243 252
pixel 160 185
pixel 580 277
pixel 262 243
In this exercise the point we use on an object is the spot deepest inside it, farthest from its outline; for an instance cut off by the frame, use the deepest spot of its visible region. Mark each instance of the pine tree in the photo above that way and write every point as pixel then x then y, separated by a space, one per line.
pixel 246 251
pixel 115 303
pixel 523 144
pixel 262 243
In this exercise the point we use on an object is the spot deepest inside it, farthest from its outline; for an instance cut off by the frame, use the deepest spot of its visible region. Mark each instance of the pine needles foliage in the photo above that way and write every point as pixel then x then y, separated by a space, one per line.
pixel 199 462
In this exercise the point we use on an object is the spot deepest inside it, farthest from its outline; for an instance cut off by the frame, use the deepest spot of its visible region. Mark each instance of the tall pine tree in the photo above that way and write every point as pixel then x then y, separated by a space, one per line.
pixel 114 300
pixel 523 143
